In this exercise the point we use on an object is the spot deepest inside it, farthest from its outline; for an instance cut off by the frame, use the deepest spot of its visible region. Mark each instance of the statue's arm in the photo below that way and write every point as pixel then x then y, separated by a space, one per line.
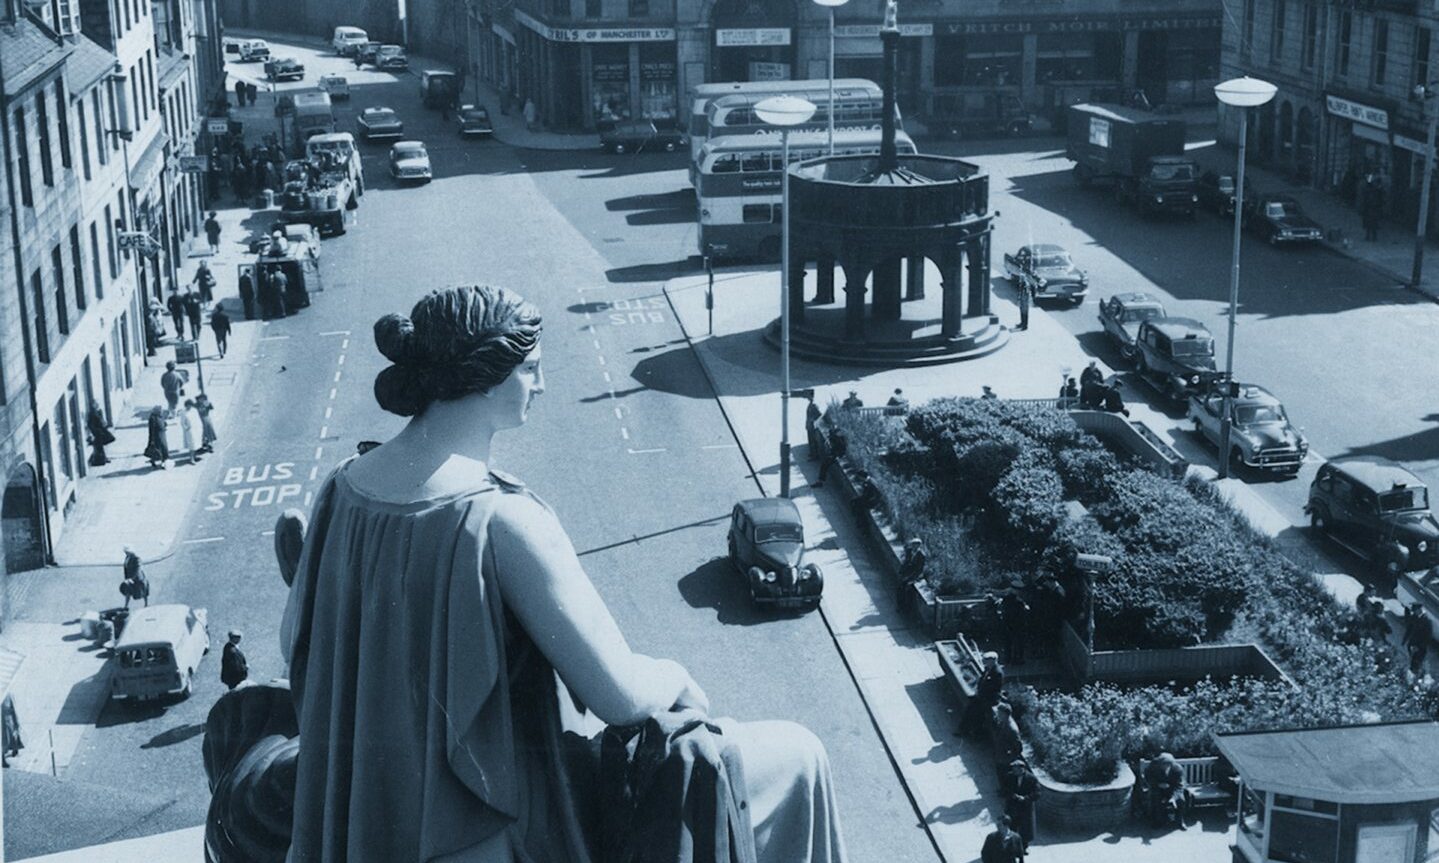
pixel 542 582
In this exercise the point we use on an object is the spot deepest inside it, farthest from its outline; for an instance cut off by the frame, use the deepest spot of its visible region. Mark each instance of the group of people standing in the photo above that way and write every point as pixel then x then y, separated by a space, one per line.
pixel 192 414
pixel 246 169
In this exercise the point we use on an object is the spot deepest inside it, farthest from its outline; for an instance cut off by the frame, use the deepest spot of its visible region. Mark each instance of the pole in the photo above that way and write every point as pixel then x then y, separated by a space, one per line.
pixel 830 110
pixel 1423 227
pixel 1227 423
pixel 710 293
pixel 784 320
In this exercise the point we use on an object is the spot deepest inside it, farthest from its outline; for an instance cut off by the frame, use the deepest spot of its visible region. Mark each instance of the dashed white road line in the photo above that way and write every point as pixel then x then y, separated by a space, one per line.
pixel 643 451
pixel 324 432
pixel 336 333
pixel 204 540
pixel 618 414
pixel 607 377
pixel 720 446
pixel 337 377
pixel 602 359
pixel 333 391
pixel 267 533
pixel 309 498
pixel 319 450
pixel 624 433
pixel 342 359
pixel 328 411
pixel 272 338
pixel 314 471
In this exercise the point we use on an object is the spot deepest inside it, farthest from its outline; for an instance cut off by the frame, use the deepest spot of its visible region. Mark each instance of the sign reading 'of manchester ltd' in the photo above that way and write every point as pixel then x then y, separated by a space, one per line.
pixel 596 34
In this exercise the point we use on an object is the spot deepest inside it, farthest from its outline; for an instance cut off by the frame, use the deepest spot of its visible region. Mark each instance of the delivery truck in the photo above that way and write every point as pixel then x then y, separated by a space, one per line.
pixel 1140 153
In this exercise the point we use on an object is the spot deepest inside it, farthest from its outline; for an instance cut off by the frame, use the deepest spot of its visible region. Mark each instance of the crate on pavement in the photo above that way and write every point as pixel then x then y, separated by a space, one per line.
pixel 187 351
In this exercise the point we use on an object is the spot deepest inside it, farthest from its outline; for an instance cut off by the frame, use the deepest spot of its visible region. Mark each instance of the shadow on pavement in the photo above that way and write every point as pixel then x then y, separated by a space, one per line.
pixel 661 272
pixel 1421 446
pixel 716 585
pixel 178 734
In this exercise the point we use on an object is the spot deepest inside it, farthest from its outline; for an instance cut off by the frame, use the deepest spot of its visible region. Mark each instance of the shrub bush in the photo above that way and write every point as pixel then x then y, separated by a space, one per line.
pixel 1031 500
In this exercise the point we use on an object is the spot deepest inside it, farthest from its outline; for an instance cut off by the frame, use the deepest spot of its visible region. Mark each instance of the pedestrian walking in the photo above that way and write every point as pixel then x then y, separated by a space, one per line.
pixel 1020 788
pixel 1371 206
pixel 176 304
pixel 234 669
pixel 1002 845
pixel 1416 637
pixel 133 583
pixel 239 93
pixel 212 232
pixel 838 448
pixel 252 91
pixel 187 429
pixel 220 326
pixel 173 383
pixel 1025 299
pixel 812 417
pixel 279 285
pixel 100 436
pixel 240 181
pixel 157 447
pixel 9 731
pixel 247 294
pixel 195 312
pixel 205 279
pixel 204 408
pixel 358 62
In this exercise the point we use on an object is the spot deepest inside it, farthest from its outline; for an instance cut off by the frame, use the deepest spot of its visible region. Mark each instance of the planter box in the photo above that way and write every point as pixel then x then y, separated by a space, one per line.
pixel 1125 435
pixel 1085 807
pixel 1180 664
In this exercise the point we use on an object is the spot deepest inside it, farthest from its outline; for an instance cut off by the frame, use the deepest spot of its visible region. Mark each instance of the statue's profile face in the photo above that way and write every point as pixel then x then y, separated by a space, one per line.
pixel 511 399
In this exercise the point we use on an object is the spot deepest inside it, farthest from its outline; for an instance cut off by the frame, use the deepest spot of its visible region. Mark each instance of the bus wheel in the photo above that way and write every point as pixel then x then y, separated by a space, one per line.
pixel 769 249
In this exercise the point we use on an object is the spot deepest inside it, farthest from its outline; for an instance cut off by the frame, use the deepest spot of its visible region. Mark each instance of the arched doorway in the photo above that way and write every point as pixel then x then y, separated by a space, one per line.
pixel 1305 134
pixel 754 40
pixel 20 525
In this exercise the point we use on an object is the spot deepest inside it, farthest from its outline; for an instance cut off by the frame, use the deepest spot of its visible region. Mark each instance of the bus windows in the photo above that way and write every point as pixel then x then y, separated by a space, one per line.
pixel 725 165
pixel 758 213
pixel 755 162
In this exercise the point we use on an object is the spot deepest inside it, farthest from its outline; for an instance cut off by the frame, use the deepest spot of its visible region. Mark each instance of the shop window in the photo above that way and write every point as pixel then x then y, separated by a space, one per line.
pixel 1246 47
pixel 757 214
pixel 1078 57
pixel 1421 55
pixel 1276 36
pixel 1381 52
pixel 658 94
pixel 610 84
pixel 1311 35
pixel 42 132
pixel 22 158
pixel 992 60
pixel 1346 32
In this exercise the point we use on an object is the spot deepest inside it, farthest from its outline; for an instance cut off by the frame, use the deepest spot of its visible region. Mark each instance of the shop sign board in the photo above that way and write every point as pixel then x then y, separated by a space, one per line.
pixel 596 34
pixel 217 125
pixel 611 72
pixel 657 71
pixel 1082 25
pixel 762 71
pixel 1377 117
pixel 194 164
pixel 751 37
pixel 846 31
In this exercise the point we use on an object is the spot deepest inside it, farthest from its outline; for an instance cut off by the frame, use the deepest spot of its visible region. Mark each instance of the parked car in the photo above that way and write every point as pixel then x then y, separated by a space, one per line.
pixel 367 51
pixel 338 86
pixel 391 58
pixel 474 120
pixel 409 161
pixel 439 88
pixel 1423 588
pixel 766 547
pixel 379 122
pixel 1121 315
pixel 159 650
pixel 348 39
pixel 254 50
pixel 1279 219
pixel 1049 271
pixel 636 135
pixel 1176 356
pixel 284 69
pixel 1262 436
pixel 1216 192
pixel 1377 509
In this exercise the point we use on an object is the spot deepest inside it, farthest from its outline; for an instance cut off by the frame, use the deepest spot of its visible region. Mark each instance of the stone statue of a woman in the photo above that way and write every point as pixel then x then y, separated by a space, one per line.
pixel 438 614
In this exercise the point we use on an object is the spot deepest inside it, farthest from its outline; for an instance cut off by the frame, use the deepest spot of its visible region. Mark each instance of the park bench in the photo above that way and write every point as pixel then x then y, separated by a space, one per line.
pixel 1203 787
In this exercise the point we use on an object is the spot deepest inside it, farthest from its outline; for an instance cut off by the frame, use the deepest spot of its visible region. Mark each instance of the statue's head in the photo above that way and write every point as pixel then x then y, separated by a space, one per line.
pixel 469 341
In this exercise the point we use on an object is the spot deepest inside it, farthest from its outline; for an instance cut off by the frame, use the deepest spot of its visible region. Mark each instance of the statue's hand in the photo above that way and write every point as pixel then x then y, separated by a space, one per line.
pixel 289 539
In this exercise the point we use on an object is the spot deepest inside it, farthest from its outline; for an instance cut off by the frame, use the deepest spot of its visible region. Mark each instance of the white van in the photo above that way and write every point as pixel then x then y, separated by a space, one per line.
pixel 254 49
pixel 347 39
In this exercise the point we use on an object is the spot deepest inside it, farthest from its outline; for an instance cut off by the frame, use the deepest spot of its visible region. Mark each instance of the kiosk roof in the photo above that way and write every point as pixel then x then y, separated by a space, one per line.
pixel 1383 763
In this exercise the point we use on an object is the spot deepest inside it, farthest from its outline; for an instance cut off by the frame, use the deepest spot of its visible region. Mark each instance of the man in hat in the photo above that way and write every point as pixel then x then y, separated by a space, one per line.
pixel 1165 780
pixel 1113 401
pixel 812 417
pixel 1014 618
pixel 988 690
pixel 1026 297
pixel 1091 383
pixel 852 401
pixel 1020 788
pixel 838 448
pixel 898 402
pixel 911 568
pixel 1003 845
pixel 233 667
pixel 988 392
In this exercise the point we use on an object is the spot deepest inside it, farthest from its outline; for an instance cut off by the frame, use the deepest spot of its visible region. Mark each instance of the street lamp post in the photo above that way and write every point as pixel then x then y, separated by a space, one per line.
pixel 831 5
pixel 1423 92
pixel 784 112
pixel 1242 93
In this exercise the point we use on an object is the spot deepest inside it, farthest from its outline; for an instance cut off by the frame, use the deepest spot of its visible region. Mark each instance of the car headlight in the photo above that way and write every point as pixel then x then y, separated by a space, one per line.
pixel 1194 199
pixel 1194 380
pixel 1422 546
pixel 770 577
pixel 1041 282
pixel 1158 199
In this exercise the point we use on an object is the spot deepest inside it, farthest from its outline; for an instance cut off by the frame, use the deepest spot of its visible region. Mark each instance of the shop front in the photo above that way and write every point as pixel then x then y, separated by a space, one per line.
pixel 754 41
pixel 1359 142
pixel 858 53
pixel 590 78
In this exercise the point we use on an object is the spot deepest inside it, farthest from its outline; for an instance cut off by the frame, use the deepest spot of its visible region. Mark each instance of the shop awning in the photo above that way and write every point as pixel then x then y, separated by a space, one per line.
pixel 1383 763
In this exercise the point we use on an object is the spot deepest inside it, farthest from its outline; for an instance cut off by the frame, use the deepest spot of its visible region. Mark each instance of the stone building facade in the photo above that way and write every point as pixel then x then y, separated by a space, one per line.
pixel 585 62
pixel 1345 106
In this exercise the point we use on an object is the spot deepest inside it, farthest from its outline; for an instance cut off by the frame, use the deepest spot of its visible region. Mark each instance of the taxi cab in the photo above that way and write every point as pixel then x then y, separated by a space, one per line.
pixel 158 652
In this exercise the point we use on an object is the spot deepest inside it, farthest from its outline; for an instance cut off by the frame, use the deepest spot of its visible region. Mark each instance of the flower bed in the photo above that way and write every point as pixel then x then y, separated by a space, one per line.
pixel 1187 570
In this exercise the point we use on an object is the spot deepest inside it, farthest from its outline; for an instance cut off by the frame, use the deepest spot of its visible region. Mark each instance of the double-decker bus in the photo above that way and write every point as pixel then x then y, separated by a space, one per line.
pixel 737 180
pixel 703 95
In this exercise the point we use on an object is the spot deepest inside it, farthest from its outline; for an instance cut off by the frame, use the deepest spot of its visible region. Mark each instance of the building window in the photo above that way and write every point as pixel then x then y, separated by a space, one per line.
pixel 111 244
pixel 1276 37
pixel 42 132
pixel 62 430
pixel 639 8
pixel 150 76
pixel 1246 46
pixel 95 274
pixel 98 110
pixel 1381 51
pixel 1078 57
pixel 1346 32
pixel 114 92
pixel 22 158
pixel 84 136
pixel 594 8
pixel 42 329
pixel 121 224
pixel 1311 34
pixel 1421 55
pixel 62 114
pixel 62 305
pixel 77 267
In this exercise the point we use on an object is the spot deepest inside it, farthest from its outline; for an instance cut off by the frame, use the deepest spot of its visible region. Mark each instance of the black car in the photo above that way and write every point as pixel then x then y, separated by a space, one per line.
pixel 1279 219
pixel 368 51
pixel 636 135
pixel 1377 509
pixel 1176 355
pixel 474 120
pixel 1216 192
pixel 284 69
pixel 766 546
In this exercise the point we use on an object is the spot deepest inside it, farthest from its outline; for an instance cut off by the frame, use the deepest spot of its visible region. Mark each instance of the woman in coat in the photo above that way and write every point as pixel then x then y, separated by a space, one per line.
pixel 100 436
pixel 187 429
pixel 157 449
pixel 204 407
